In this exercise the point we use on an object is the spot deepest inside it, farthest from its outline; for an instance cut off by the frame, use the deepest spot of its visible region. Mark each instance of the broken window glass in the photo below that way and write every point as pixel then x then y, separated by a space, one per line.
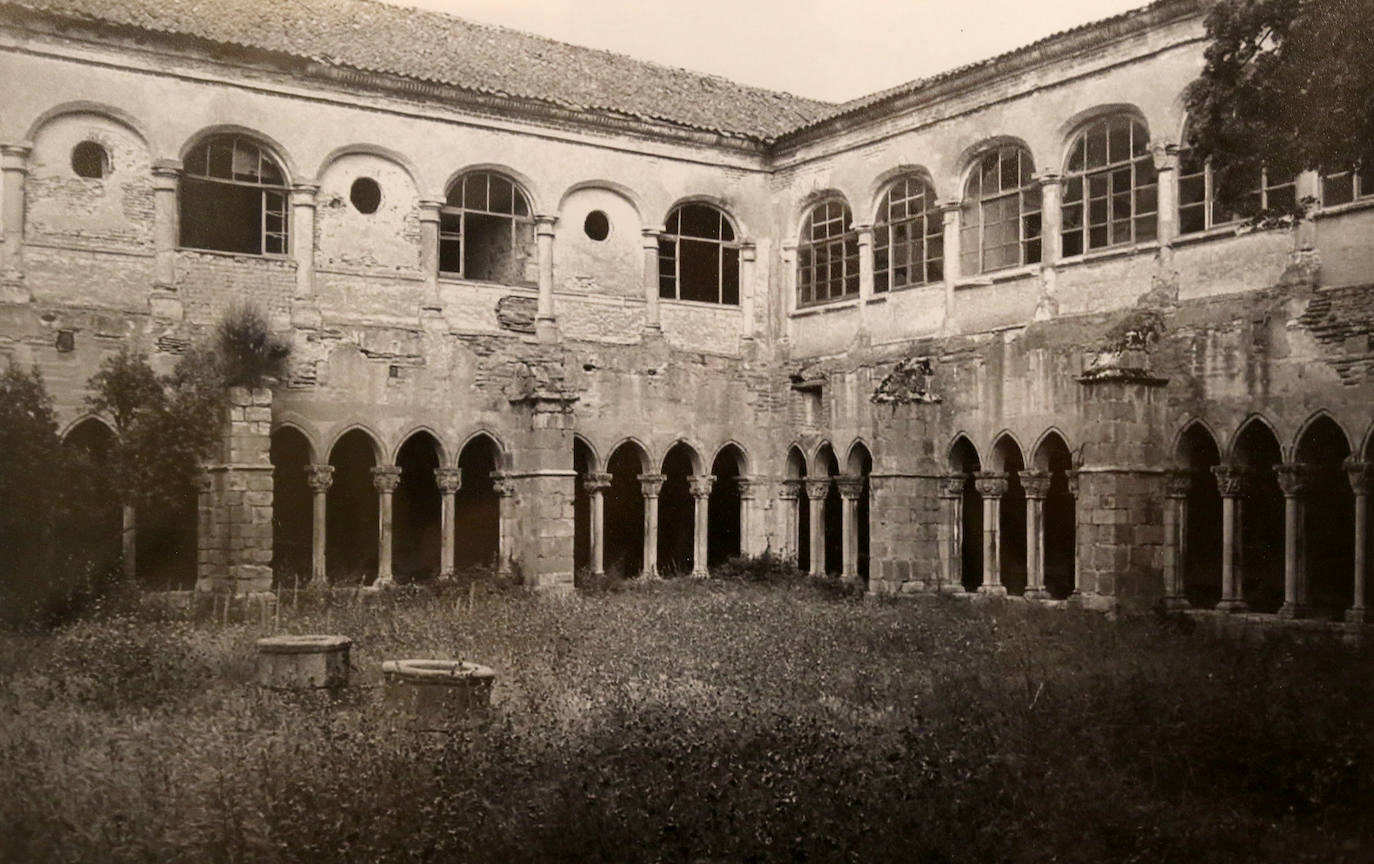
pixel 485 231
pixel 698 256
pixel 233 198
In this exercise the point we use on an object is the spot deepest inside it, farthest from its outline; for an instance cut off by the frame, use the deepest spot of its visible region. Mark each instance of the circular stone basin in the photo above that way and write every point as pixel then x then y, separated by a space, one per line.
pixel 303 662
pixel 438 694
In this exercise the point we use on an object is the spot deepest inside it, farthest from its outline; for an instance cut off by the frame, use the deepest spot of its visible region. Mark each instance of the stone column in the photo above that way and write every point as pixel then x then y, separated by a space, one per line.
pixel 789 491
pixel 1072 476
pixel 748 492
pixel 1165 156
pixel 1293 480
pixel 449 481
pixel 701 497
pixel 951 532
pixel 650 485
pixel 596 486
pixel 865 238
pixel 1051 217
pixel 1359 474
pixel 302 232
pixel 166 227
pixel 545 322
pixel 210 552
pixel 789 289
pixel 504 487
pixel 385 479
pixel 128 537
pixel 429 244
pixel 1231 485
pixel 653 326
pixel 816 490
pixel 747 255
pixel 949 211
pixel 320 478
pixel 1037 486
pixel 992 486
pixel 851 488
pixel 15 169
pixel 1180 483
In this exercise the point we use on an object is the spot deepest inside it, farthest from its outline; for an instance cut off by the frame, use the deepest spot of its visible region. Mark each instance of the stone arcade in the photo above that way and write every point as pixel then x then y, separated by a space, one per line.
pixel 560 310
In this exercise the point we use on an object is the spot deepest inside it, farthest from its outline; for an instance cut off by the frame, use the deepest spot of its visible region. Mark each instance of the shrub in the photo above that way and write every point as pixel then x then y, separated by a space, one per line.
pixel 251 355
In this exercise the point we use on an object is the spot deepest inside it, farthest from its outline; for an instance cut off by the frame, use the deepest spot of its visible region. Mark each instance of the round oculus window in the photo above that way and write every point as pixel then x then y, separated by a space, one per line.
pixel 365 194
pixel 89 159
pixel 597 226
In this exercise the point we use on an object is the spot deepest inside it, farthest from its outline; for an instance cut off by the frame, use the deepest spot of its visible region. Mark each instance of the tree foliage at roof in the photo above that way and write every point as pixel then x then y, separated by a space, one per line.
pixel 1288 84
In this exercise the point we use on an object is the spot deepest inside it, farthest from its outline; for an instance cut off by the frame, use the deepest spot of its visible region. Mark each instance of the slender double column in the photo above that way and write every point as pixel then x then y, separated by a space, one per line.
pixel 650 485
pixel 595 486
pixel 992 486
pixel 1294 480
pixel 952 532
pixel 789 493
pixel 816 492
pixel 319 478
pixel 851 489
pixel 504 486
pixel 748 493
pixel 385 479
pixel 700 486
pixel 1231 485
pixel 1359 474
pixel 449 481
pixel 1037 486
pixel 1180 484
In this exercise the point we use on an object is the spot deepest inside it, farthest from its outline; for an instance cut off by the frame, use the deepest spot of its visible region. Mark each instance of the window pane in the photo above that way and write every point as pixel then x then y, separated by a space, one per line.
pixel 475 192
pixel 729 269
pixel 1073 243
pixel 1119 144
pixel 700 220
pixel 501 200
pixel 1097 147
pixel 1338 189
pixel 1192 218
pixel 699 270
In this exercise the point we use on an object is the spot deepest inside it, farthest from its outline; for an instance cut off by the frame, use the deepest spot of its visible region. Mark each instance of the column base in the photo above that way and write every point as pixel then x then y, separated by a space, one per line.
pixel 992 590
pixel 1295 610
pixel 1175 604
pixel 1232 605
pixel 1356 615
pixel 651 332
pixel 546 330
pixel 1037 594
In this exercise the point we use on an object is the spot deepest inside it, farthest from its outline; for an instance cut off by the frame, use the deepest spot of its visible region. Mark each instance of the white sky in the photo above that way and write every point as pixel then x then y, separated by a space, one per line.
pixel 826 49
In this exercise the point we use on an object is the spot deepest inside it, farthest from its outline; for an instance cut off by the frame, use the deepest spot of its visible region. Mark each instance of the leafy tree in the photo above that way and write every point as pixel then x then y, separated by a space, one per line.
pixel 55 552
pixel 250 354
pixel 1288 85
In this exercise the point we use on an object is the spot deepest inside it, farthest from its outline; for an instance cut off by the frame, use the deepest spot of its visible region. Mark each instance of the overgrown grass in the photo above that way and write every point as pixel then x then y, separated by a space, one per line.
pixel 693 721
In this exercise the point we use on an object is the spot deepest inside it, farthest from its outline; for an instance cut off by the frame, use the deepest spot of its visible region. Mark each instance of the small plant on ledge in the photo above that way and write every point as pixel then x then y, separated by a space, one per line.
pixel 249 353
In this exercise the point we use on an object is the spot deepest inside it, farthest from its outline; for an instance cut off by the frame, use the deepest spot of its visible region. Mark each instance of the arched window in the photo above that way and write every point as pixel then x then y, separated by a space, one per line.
pixel 1110 187
pixel 233 198
pixel 1347 186
pixel 698 256
pixel 1199 205
pixel 908 238
pixel 828 255
pixel 486 231
pixel 1000 212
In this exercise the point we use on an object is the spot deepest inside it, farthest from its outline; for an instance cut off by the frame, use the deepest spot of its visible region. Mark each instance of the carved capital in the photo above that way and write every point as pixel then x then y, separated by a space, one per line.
pixel 1294 478
pixel 1048 178
pixel 1164 154
pixel 953 485
pixel 385 478
pixel 790 488
pixel 429 209
pixel 205 482
pixel 816 490
pixel 319 477
pixel 449 480
pixel 502 484
pixel 851 488
pixel 1230 480
pixel 594 483
pixel 749 487
pixel 1358 473
pixel 543 224
pixel 651 484
pixel 1036 483
pixel 1178 483
pixel 701 485
pixel 990 484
